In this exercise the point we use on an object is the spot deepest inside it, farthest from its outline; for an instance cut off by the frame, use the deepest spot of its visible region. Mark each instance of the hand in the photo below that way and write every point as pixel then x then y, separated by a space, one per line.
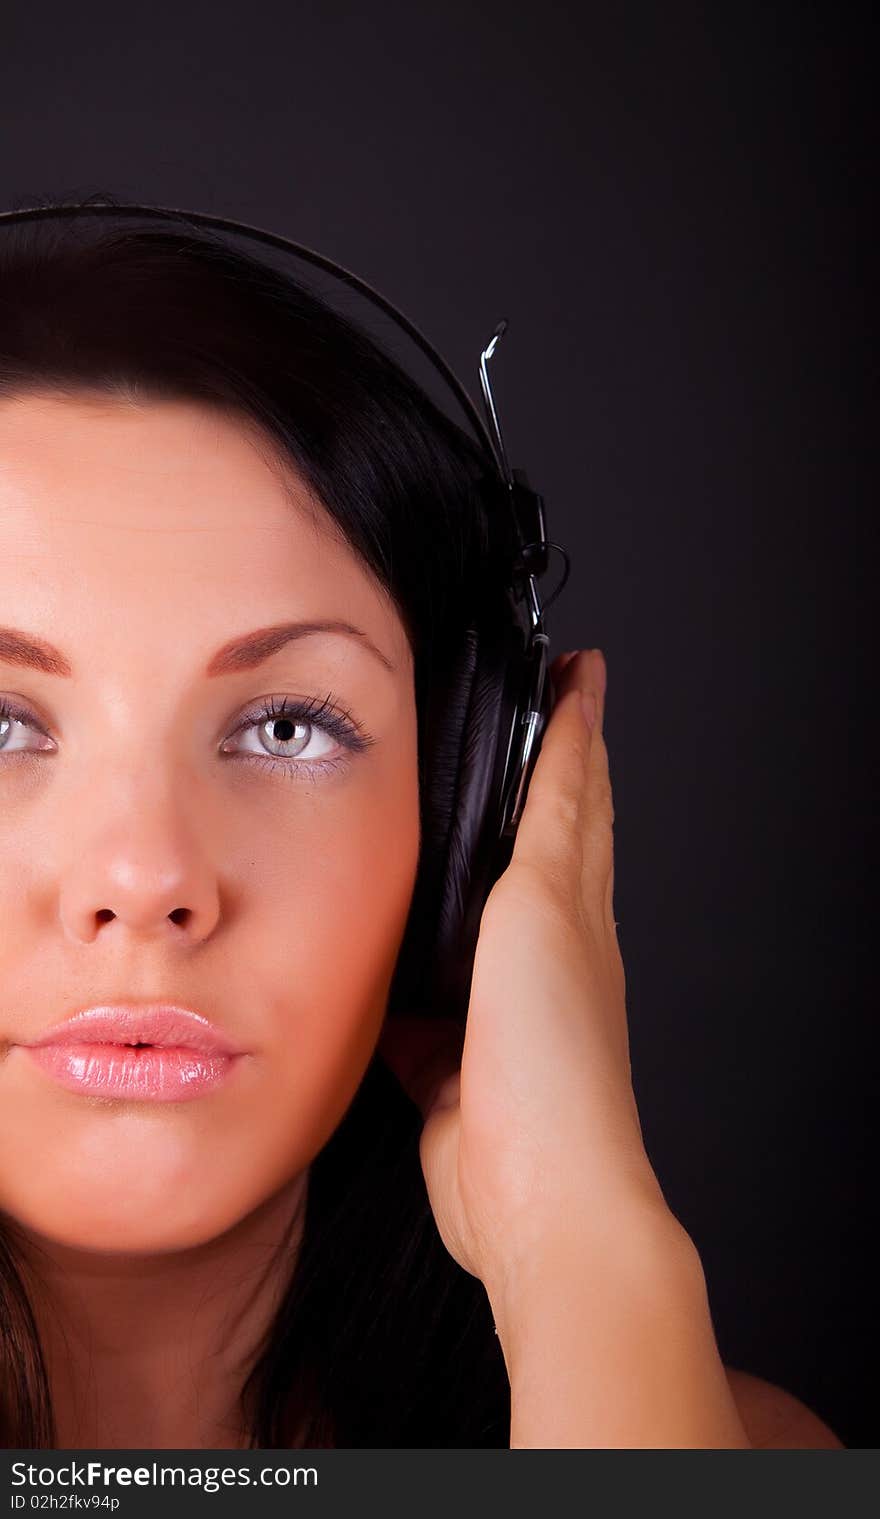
pixel 536 1139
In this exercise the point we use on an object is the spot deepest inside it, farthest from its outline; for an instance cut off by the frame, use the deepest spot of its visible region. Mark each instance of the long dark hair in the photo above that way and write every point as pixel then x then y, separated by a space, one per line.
pixel 382 1339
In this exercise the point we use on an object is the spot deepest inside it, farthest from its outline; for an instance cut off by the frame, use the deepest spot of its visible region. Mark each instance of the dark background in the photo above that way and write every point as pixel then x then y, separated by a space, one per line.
pixel 669 203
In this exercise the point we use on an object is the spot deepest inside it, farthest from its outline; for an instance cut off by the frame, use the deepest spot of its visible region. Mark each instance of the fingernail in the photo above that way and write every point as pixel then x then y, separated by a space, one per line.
pixel 589 704
pixel 600 669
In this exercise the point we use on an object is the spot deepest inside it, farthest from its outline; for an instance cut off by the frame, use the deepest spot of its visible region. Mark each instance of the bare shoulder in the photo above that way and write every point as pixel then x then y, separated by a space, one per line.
pixel 775 1419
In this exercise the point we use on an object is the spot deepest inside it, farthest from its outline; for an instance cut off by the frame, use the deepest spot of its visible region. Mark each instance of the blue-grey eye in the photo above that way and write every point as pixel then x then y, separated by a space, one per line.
pixel 12 717
pixel 286 738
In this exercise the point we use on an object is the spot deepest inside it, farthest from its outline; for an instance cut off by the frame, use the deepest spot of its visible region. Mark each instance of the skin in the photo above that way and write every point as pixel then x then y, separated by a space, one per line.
pixel 533 1154
pixel 138 539
pixel 152 1234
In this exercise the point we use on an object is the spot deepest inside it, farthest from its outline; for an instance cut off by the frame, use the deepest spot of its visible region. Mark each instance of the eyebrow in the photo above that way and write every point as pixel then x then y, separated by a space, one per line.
pixel 244 652
pixel 248 650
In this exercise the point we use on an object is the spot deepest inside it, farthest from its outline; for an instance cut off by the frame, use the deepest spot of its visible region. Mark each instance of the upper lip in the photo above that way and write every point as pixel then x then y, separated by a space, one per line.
pixel 158 1023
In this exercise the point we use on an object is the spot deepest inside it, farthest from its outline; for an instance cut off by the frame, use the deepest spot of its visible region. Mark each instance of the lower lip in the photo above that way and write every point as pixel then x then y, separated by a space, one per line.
pixel 149 1074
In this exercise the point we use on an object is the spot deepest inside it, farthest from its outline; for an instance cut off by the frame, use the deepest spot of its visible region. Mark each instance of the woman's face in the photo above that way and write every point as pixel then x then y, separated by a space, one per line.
pixel 140 861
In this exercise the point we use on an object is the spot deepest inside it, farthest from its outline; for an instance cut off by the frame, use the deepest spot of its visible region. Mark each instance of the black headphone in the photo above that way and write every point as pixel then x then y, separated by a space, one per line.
pixel 483 730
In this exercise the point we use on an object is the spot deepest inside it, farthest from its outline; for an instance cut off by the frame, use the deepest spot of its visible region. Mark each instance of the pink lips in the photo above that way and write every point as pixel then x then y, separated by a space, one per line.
pixel 180 1055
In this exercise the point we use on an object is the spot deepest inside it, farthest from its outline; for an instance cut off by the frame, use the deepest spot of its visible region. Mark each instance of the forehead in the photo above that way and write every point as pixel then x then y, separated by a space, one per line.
pixel 168 502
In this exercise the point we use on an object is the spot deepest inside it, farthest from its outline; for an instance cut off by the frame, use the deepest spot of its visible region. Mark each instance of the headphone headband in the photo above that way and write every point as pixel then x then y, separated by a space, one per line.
pixel 526 506
pixel 274 239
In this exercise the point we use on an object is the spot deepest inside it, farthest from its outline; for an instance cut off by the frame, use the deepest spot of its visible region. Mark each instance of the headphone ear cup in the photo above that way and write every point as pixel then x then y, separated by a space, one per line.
pixel 476 854
pixel 441 732
pixel 467 728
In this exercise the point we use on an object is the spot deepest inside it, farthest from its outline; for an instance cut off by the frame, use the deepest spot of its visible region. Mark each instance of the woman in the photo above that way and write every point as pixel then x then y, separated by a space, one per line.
pixel 239 547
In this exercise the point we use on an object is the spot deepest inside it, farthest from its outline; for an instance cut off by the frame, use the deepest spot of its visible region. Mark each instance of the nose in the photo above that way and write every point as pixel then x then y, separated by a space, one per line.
pixel 140 870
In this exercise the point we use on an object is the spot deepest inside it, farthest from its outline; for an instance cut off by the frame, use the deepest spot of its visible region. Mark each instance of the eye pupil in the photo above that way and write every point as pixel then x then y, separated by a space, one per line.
pixel 286 730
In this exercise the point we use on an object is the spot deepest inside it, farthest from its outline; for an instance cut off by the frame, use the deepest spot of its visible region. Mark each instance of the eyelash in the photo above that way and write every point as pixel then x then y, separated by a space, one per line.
pixel 333 720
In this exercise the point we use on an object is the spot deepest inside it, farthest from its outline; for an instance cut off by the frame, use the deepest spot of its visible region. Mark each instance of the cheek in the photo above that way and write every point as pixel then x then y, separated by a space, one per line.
pixel 325 969
pixel 318 893
pixel 23 852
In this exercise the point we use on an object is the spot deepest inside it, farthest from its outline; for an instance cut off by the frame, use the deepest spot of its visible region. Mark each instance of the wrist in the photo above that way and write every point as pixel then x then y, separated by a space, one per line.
pixel 632 1251
pixel 608 1340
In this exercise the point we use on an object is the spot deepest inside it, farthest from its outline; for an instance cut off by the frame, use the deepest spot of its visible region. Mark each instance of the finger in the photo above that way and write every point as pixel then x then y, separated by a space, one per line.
pixel 549 835
pixel 422 1053
pixel 447 1094
pixel 598 821
pixel 574 669
pixel 587 672
pixel 558 666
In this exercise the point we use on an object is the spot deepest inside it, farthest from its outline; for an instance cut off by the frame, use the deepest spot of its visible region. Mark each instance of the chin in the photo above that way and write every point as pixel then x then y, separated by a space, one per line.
pixel 142 1215
pixel 92 1226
